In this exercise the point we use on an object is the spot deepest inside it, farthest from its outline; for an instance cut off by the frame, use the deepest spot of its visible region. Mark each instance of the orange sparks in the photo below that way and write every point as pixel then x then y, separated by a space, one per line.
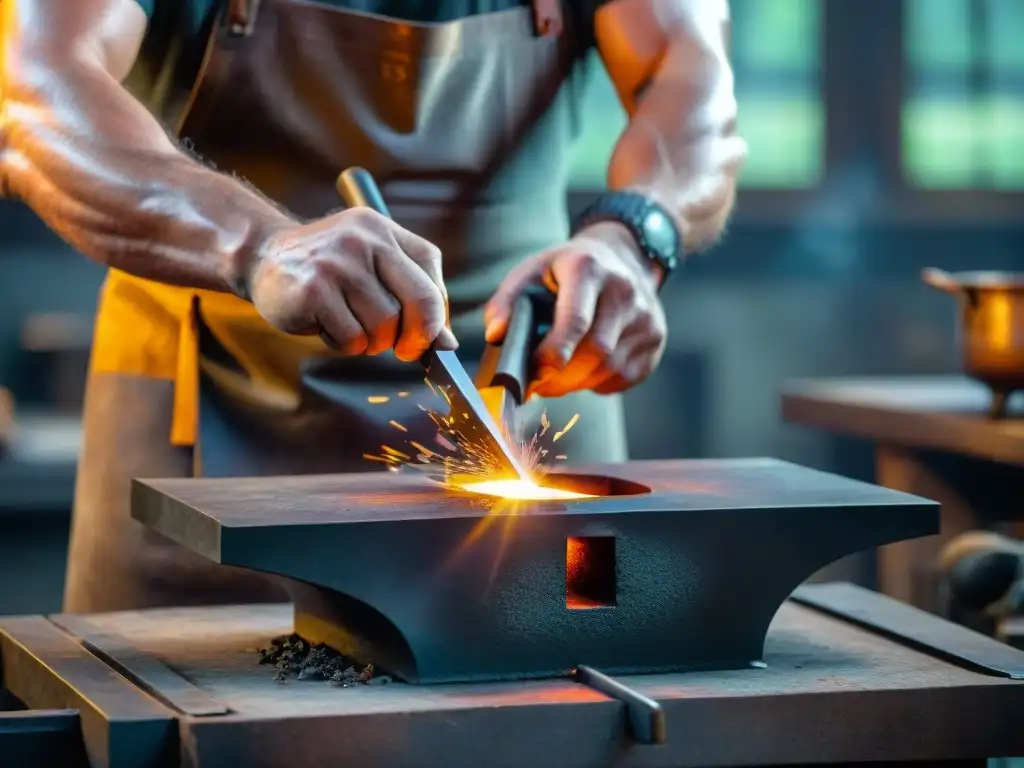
pixel 566 428
pixel 422 449
pixel 459 462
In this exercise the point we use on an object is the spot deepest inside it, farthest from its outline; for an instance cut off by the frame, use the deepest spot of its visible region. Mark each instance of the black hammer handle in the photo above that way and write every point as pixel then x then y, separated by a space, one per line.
pixel 510 364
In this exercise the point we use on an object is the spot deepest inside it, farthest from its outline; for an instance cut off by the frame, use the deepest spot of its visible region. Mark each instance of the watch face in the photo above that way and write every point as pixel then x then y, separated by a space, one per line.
pixel 661 234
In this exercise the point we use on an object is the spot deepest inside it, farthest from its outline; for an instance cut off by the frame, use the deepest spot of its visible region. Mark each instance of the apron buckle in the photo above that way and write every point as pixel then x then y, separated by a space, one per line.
pixel 547 18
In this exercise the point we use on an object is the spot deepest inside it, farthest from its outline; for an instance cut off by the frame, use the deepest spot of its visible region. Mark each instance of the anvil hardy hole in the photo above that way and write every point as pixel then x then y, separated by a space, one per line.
pixel 590 572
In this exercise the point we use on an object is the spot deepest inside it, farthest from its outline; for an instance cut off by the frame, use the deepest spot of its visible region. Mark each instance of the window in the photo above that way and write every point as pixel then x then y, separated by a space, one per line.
pixel 963 111
pixel 775 52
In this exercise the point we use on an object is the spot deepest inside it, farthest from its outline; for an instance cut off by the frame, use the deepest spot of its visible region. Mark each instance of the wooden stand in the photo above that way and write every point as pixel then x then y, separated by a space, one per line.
pixel 933 438
pixel 832 693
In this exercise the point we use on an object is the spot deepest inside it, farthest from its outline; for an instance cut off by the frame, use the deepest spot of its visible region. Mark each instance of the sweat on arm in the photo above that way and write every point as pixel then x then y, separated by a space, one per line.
pixel 98 167
pixel 668 60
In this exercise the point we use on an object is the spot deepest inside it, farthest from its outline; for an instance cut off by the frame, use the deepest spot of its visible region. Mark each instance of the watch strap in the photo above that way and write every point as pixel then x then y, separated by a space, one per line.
pixel 638 212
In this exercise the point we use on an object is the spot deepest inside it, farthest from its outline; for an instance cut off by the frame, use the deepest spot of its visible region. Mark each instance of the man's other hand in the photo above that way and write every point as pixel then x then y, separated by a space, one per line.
pixel 358 278
pixel 609 329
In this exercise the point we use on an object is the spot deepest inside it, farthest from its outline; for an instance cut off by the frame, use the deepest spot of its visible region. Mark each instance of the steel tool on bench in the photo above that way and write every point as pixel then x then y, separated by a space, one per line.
pixel 475 421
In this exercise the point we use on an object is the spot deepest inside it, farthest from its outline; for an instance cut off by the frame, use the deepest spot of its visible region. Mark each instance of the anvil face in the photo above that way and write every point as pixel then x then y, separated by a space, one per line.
pixel 683 568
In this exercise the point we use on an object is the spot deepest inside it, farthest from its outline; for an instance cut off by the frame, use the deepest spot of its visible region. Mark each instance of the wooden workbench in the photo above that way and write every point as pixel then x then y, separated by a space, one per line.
pixel 933 438
pixel 831 693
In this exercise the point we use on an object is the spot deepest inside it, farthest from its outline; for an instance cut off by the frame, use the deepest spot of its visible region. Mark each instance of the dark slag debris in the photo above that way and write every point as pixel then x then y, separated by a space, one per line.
pixel 292 656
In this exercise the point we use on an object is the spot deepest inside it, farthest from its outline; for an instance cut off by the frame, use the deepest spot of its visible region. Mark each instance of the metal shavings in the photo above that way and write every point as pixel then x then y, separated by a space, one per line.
pixel 566 428
pixel 396 425
pixel 294 657
pixel 377 399
pixel 403 394
pixel 561 457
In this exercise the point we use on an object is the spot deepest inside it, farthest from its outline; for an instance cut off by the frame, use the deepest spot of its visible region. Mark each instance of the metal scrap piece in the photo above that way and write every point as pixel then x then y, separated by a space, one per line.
pixel 912 626
pixel 151 675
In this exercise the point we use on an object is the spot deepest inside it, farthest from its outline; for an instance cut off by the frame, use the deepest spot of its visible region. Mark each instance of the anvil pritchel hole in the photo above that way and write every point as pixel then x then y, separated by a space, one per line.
pixel 590 572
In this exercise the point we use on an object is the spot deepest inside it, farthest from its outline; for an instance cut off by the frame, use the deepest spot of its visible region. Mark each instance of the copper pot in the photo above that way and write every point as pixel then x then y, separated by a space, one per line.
pixel 991 334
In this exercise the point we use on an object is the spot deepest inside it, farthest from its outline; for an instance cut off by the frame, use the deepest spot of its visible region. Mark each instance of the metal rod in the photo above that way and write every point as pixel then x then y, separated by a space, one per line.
pixel 645 716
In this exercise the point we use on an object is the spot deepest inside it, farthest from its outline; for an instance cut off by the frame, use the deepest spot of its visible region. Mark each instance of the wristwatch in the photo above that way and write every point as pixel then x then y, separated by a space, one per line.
pixel 653 227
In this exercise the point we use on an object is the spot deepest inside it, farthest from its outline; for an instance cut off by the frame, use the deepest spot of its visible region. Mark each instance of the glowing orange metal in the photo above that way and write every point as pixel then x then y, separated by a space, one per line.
pixel 521 490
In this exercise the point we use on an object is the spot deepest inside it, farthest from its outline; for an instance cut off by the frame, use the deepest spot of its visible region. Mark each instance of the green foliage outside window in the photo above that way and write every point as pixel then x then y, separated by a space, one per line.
pixel 954 136
pixel 775 54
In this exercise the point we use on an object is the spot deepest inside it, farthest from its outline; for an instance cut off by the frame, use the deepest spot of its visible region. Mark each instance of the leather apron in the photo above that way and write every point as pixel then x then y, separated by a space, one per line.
pixel 467 126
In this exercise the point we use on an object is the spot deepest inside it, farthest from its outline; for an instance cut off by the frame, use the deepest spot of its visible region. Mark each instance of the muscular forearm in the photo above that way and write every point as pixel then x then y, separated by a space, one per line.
pixel 669 61
pixel 689 167
pixel 99 169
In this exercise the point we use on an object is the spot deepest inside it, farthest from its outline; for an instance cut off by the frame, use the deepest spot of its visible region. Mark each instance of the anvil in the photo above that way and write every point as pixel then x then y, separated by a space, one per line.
pixel 676 565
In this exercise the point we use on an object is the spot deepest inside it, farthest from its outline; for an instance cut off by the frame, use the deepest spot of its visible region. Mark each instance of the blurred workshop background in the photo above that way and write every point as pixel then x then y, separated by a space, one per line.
pixel 885 136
